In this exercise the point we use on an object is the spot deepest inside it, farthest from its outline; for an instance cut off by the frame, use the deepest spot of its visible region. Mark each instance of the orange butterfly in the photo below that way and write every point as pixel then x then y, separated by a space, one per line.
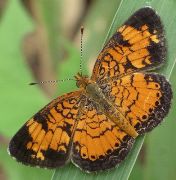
pixel 96 126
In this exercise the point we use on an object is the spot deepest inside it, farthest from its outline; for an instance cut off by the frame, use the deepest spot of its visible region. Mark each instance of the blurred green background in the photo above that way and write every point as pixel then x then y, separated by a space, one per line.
pixel 40 40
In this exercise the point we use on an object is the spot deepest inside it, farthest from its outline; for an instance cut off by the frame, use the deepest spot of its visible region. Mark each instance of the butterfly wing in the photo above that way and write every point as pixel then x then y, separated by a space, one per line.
pixel 143 99
pixel 136 46
pixel 45 139
pixel 98 143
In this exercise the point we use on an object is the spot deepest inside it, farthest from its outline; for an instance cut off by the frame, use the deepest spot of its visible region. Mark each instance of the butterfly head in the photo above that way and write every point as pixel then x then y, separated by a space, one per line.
pixel 82 80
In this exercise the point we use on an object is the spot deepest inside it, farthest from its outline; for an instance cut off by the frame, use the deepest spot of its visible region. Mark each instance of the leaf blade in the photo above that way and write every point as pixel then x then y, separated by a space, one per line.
pixel 123 171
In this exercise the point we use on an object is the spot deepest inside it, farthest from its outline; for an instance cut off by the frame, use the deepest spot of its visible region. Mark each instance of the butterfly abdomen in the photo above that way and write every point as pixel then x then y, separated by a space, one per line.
pixel 107 107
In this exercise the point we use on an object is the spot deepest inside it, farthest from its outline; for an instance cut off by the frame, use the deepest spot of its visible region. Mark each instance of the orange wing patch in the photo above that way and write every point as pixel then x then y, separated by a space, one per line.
pixel 138 45
pixel 45 139
pixel 98 143
pixel 144 99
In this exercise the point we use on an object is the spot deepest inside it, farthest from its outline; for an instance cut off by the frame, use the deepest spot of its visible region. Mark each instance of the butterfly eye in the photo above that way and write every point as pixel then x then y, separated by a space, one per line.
pixel 78 84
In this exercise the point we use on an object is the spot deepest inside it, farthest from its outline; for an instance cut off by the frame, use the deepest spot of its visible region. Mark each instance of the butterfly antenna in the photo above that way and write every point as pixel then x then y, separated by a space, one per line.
pixel 81 59
pixel 68 79
pixel 51 81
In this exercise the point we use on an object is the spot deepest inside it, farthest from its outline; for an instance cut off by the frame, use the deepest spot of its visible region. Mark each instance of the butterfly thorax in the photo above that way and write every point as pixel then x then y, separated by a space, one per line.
pixel 90 87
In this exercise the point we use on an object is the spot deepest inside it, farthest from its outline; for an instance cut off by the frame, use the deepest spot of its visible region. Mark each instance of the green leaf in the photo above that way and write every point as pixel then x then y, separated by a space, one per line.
pixel 72 172
pixel 126 8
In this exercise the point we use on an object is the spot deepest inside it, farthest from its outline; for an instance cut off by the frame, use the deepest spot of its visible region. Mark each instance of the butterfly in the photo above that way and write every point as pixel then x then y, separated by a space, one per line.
pixel 95 127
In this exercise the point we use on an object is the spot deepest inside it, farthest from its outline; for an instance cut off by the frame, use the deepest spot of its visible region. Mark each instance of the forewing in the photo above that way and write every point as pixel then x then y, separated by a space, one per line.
pixel 144 99
pixel 137 45
pixel 98 143
pixel 44 140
